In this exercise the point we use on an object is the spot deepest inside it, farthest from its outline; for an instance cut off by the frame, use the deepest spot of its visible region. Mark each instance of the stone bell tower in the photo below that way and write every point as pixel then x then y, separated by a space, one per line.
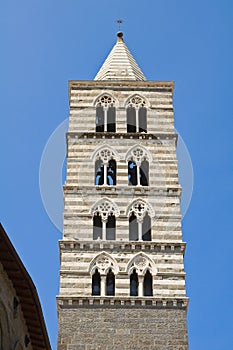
pixel 122 279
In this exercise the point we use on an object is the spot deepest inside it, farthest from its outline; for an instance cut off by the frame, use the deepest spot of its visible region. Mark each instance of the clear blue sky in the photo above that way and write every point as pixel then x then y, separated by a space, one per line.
pixel 46 43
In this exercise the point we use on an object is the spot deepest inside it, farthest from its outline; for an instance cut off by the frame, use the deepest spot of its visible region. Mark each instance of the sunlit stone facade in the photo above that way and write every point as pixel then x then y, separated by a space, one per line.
pixel 122 279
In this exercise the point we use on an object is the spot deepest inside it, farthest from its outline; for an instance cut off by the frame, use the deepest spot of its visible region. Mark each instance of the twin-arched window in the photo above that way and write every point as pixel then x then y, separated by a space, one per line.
pixel 147 284
pixel 105 168
pixel 109 284
pixel 104 219
pixel 141 281
pixel 138 167
pixel 140 214
pixel 136 114
pixel 105 114
pixel 103 269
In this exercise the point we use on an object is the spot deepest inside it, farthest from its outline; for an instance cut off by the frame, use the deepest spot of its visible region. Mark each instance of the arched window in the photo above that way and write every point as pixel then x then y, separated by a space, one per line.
pixel 134 284
pixel 139 214
pixel 133 227
pixel 146 228
pixel 136 115
pixel 104 214
pixel 104 228
pixel 105 114
pixel 105 168
pixel 96 283
pixel 138 167
pixel 132 173
pixel 139 229
pixel 147 284
pixel 111 228
pixel 103 269
pixel 110 283
pixel 97 226
pixel 144 173
pixel 140 269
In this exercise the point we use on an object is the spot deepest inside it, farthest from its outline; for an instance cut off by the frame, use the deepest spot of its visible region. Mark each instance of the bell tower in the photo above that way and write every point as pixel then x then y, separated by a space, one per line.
pixel 122 279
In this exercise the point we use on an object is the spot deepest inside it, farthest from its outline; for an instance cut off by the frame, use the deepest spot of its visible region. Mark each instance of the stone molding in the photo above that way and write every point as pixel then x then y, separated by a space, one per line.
pixel 112 301
pixel 129 246
pixel 142 190
pixel 122 135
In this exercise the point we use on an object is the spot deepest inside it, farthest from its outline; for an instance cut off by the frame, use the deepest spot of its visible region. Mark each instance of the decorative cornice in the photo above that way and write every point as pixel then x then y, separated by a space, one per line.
pixel 119 302
pixel 158 86
pixel 147 191
pixel 127 136
pixel 168 247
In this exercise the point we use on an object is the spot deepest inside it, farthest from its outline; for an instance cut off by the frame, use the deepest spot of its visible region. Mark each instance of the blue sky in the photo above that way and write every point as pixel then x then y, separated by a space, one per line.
pixel 46 43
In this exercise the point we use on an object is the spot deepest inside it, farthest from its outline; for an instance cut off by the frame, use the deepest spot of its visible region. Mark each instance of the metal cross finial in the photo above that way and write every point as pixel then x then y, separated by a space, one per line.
pixel 119 21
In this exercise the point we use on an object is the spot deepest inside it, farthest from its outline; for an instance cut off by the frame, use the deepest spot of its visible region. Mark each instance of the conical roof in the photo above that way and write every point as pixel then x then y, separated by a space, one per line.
pixel 120 64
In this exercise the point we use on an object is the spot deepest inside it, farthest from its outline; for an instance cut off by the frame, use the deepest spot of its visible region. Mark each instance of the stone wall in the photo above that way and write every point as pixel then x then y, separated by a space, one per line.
pixel 13 329
pixel 119 329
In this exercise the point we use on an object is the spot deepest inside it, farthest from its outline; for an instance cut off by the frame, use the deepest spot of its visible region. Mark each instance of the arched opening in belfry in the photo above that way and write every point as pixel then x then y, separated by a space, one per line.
pixel 111 119
pixel 105 174
pixel 132 173
pixel 96 283
pixel 134 283
pixel 144 173
pixel 131 119
pixel 110 283
pixel 111 228
pixel 97 226
pixel 138 174
pixel 146 228
pixel 133 227
pixel 148 284
pixel 142 114
pixel 99 119
pixel 111 172
pixel 136 119
pixel 99 172
pixel 105 115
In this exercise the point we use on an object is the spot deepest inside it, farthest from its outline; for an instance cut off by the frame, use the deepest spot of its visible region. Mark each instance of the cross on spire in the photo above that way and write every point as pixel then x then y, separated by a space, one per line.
pixel 119 21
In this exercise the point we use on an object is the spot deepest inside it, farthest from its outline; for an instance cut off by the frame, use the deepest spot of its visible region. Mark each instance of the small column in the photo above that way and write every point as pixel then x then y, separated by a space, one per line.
pixel 105 118
pixel 140 286
pixel 137 119
pixel 104 222
pixel 138 173
pixel 102 285
pixel 105 173
pixel 140 221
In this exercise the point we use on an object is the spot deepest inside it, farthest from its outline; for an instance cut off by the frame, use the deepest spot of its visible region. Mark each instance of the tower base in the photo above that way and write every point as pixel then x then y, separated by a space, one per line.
pixel 118 327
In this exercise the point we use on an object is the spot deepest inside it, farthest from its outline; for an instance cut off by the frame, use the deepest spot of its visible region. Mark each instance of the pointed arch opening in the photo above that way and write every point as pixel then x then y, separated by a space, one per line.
pixel 111 228
pixel 97 227
pixel 148 284
pixel 96 283
pixel 144 173
pixel 133 227
pixel 134 283
pixel 146 228
pixel 110 283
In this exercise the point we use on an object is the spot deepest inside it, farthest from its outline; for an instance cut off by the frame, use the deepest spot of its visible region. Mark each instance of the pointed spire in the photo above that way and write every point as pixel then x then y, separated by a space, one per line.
pixel 120 64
